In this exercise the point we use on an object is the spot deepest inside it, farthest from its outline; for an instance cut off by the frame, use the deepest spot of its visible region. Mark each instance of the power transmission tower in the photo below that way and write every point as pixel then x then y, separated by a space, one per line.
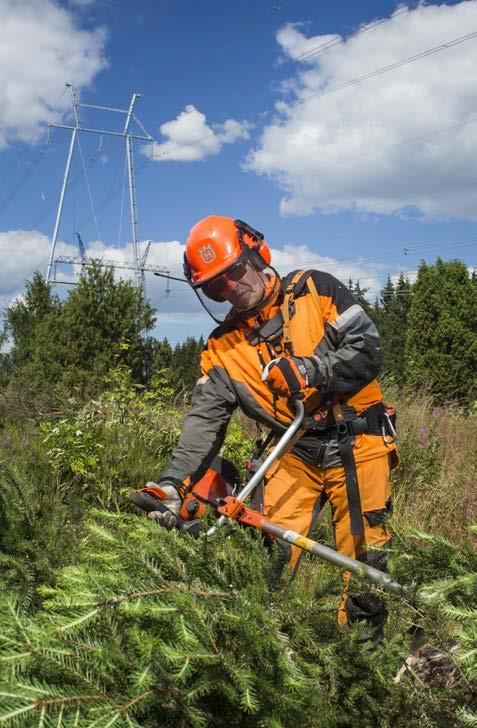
pixel 83 261
pixel 139 263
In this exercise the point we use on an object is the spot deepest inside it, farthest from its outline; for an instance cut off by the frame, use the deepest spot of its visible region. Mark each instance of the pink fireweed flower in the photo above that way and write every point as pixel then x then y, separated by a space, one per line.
pixel 422 436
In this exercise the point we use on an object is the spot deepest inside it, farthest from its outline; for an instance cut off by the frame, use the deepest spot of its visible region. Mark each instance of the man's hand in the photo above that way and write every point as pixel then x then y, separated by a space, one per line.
pixel 173 502
pixel 287 376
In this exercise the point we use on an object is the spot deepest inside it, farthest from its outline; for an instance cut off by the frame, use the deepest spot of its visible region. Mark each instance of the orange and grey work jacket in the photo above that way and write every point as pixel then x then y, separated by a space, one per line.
pixel 343 358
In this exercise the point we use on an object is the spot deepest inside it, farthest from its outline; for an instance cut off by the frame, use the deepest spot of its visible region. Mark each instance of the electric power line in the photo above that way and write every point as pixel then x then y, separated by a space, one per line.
pixel 425 247
pixel 334 89
pixel 413 140
pixel 384 69
pixel 52 204
pixel 120 187
pixel 398 252
pixel 317 50
pixel 8 173
pixel 247 25
pixel 19 184
pixel 114 192
pixel 401 250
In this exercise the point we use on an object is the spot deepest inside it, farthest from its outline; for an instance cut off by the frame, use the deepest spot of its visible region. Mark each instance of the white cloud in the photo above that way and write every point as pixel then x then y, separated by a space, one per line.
pixel 190 138
pixel 41 48
pixel 321 152
pixel 22 252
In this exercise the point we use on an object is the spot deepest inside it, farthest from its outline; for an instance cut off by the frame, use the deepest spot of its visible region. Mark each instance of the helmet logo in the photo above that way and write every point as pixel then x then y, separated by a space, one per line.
pixel 207 253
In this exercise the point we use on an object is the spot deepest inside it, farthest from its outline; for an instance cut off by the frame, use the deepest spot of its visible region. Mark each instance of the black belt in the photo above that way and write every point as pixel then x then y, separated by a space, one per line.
pixel 370 421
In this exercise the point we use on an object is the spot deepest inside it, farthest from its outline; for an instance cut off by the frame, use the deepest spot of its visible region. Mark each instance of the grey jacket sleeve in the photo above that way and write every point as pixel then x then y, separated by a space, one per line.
pixel 349 356
pixel 205 425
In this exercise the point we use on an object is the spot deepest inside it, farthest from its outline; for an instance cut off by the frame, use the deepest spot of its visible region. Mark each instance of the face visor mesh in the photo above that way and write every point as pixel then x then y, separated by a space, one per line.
pixel 240 289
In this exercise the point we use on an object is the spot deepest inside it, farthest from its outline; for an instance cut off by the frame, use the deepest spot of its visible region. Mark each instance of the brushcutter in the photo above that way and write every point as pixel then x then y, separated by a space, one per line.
pixel 217 489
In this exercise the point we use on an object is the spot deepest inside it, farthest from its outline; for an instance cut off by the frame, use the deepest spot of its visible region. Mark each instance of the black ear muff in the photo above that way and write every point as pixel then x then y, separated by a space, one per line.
pixel 257 237
pixel 259 262
pixel 246 228
pixel 187 269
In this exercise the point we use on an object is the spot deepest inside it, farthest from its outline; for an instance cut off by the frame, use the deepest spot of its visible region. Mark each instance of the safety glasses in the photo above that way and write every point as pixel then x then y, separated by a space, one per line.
pixel 216 287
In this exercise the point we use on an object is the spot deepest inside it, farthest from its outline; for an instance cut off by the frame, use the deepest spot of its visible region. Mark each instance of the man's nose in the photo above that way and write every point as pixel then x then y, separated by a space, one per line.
pixel 231 285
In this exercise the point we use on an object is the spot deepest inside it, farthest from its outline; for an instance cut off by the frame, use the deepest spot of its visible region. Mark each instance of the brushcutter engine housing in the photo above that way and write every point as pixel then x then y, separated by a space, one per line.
pixel 213 486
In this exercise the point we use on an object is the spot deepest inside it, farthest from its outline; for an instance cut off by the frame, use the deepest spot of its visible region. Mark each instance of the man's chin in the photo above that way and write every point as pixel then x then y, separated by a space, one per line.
pixel 244 306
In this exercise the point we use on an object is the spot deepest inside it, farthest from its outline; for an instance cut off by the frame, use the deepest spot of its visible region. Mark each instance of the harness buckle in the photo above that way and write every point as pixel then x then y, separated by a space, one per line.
pixel 387 424
pixel 266 370
pixel 342 431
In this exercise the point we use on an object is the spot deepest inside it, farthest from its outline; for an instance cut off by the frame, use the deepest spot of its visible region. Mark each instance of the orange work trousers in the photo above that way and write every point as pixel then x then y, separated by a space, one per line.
pixel 294 491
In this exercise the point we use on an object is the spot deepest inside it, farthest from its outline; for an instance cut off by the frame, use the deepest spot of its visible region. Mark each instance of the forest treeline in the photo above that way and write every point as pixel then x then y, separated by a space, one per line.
pixel 428 332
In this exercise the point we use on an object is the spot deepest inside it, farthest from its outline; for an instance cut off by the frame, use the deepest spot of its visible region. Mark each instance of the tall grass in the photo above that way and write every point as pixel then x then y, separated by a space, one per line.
pixel 435 484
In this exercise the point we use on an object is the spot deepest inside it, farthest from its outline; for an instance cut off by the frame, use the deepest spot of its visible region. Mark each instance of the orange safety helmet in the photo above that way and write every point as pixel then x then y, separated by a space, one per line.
pixel 216 243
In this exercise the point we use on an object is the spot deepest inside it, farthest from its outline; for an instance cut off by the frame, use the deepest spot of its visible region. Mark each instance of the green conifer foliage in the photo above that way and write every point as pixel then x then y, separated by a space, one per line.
pixel 393 314
pixel 441 343
pixel 360 295
pixel 24 320
pixel 151 628
pixel 103 323
pixel 76 342
pixel 185 365
pixel 38 527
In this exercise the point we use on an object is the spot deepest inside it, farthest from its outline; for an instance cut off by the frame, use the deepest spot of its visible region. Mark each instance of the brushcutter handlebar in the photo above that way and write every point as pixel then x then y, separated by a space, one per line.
pixel 285 443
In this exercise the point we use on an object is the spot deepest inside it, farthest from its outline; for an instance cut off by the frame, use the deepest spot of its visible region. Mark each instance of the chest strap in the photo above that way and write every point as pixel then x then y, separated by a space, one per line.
pixel 270 330
pixel 277 329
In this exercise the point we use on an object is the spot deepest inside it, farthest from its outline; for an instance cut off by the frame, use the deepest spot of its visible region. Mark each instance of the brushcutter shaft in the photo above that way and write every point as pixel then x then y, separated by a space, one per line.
pixel 236 510
pixel 286 441
pixel 334 557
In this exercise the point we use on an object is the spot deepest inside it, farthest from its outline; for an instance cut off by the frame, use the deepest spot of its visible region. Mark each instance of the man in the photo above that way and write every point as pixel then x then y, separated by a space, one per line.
pixel 277 339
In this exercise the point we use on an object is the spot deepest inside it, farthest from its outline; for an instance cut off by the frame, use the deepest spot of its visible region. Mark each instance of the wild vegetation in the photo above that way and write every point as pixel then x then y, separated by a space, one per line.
pixel 108 620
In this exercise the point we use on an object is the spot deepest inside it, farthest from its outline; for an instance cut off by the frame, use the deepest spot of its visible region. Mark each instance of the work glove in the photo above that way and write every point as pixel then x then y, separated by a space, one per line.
pixel 287 376
pixel 173 502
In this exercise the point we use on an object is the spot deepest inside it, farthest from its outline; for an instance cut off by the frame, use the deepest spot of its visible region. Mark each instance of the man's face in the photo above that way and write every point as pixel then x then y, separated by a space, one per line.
pixel 244 292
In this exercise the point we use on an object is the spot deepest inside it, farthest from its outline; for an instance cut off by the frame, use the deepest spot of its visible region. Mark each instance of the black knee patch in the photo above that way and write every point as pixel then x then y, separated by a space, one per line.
pixel 370 609
pixel 376 559
pixel 285 551
pixel 280 552
pixel 367 606
pixel 379 515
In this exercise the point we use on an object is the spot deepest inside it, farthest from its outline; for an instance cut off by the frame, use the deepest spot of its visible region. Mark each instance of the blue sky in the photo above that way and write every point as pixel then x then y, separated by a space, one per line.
pixel 344 182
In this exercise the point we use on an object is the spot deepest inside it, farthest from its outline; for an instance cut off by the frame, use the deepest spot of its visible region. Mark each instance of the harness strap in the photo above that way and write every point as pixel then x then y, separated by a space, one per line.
pixel 288 298
pixel 312 287
pixel 351 476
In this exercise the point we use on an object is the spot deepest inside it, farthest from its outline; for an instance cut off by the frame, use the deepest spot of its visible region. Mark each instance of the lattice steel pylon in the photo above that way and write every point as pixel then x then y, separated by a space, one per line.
pixel 139 262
